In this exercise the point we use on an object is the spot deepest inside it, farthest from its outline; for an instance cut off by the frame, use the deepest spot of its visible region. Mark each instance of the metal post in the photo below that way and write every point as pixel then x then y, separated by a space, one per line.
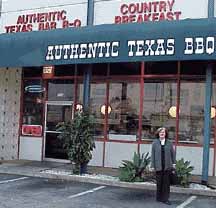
pixel 90 12
pixel 88 70
pixel 207 124
pixel 0 7
pixel 86 83
pixel 210 8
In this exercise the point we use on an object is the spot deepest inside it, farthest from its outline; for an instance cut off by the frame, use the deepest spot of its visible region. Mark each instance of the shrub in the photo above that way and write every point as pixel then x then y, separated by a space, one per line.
pixel 132 171
pixel 78 140
pixel 183 171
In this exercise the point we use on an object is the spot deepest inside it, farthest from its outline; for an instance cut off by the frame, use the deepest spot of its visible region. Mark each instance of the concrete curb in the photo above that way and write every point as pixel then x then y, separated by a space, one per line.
pixel 141 186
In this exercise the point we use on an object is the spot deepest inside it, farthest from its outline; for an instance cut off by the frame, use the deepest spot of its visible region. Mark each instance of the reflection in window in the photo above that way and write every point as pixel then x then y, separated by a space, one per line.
pixel 191 115
pixel 169 67
pixel 79 98
pixel 33 102
pixel 97 100
pixel 213 120
pixel 60 90
pixel 159 97
pixel 57 114
pixel 124 116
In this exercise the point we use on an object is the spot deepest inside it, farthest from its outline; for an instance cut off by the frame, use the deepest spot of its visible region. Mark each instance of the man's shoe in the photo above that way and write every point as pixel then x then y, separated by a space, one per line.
pixel 167 202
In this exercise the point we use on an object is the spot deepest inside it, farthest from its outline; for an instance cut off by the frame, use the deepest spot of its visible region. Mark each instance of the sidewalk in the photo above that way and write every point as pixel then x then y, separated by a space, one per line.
pixel 56 170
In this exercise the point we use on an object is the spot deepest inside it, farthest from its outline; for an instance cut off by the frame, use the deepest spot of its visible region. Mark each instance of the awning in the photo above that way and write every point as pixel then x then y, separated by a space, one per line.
pixel 158 41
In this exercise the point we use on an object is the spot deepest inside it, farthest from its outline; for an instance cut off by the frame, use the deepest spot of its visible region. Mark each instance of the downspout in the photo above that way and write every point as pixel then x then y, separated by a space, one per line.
pixel 207 114
pixel 88 70
pixel 0 8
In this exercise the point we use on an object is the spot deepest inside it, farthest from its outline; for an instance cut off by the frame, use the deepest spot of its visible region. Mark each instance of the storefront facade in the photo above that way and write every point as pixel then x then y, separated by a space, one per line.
pixel 143 76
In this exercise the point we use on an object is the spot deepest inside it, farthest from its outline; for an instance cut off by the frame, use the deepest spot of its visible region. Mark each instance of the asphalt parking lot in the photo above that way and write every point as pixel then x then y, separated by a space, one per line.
pixel 28 192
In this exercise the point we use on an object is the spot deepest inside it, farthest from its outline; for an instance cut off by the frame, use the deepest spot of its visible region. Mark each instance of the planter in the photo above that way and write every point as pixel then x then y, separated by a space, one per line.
pixel 83 168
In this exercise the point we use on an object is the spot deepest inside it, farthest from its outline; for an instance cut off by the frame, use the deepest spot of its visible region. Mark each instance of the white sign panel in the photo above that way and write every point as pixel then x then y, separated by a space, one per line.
pixel 118 12
pixel 214 8
pixel 19 5
pixel 44 18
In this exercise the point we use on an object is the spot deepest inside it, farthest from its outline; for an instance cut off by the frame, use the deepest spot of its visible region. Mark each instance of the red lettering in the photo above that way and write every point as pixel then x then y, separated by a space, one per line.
pixel 154 5
pixel 20 19
pixel 63 15
pixel 35 131
pixel 7 28
pixel 124 9
pixel 65 24
pixel 162 16
pixel 46 26
pixel 31 17
pixel 77 23
pixel 147 11
pixel 52 25
pixel 140 18
pixel 146 7
pixel 40 26
pixel 177 14
pixel 41 17
pixel 18 28
pixel 54 16
pixel 132 8
pixel 24 28
pixel 155 16
pixel 125 19
pixel 117 19
pixel 170 4
pixel 26 130
pixel 169 16
pixel 147 17
pixel 29 27
pixel 13 29
pixel 162 6
pixel 139 8
pixel 132 18
pixel 32 130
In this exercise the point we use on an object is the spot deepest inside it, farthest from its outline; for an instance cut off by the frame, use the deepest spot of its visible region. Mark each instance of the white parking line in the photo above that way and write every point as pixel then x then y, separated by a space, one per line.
pixel 86 192
pixel 188 201
pixel 12 180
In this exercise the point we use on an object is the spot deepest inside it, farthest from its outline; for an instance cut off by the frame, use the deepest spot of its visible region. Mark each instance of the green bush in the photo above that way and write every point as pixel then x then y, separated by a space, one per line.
pixel 132 171
pixel 183 171
pixel 78 139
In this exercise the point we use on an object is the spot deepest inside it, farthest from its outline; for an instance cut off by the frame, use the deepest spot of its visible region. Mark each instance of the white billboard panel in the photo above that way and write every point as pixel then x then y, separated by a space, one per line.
pixel 15 5
pixel 116 11
pixel 44 19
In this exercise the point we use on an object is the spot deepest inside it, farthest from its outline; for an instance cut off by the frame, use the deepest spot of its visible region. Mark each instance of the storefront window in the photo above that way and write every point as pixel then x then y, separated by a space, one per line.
pixel 97 107
pixel 33 91
pixel 191 115
pixel 32 71
pixel 64 70
pixel 123 116
pixel 79 99
pixel 213 113
pixel 193 68
pixel 158 101
pixel 61 90
pixel 132 68
pixel 161 68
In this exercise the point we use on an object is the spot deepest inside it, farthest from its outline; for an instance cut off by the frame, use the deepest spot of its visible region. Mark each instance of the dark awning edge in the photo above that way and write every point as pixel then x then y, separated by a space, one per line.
pixel 152 41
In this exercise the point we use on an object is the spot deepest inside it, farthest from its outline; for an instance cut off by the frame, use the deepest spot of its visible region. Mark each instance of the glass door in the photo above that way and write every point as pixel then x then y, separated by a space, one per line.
pixel 56 111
